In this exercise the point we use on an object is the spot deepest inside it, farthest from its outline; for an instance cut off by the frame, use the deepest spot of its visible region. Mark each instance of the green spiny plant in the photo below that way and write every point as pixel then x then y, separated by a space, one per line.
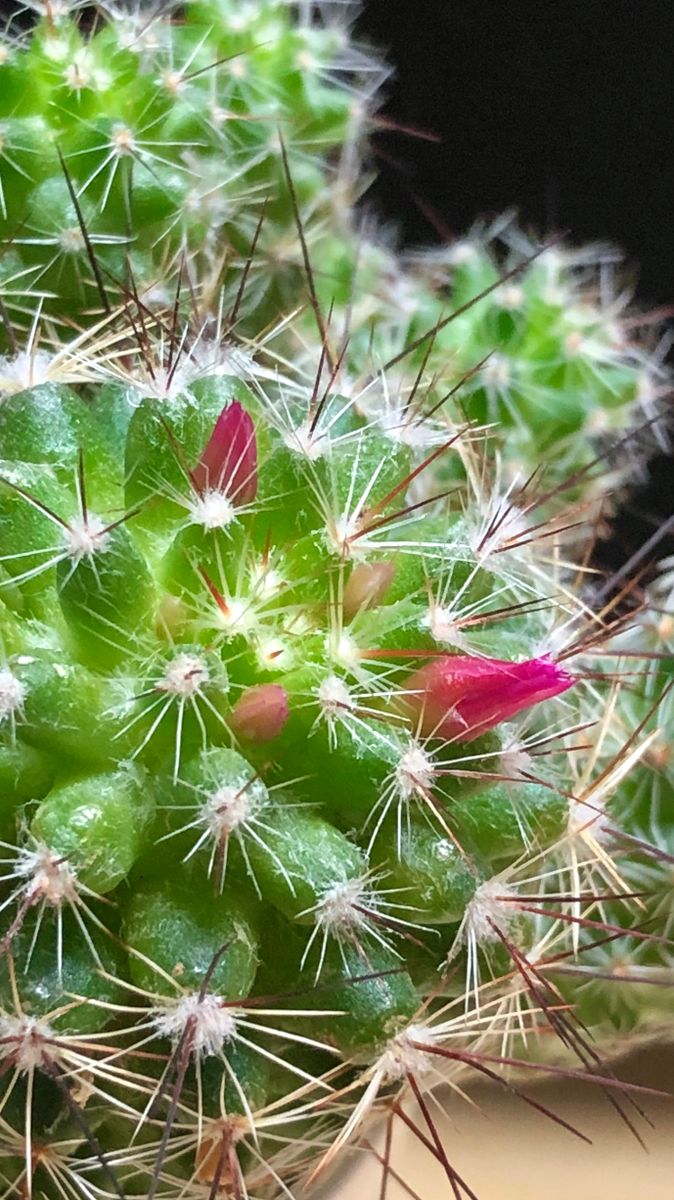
pixel 143 151
pixel 329 771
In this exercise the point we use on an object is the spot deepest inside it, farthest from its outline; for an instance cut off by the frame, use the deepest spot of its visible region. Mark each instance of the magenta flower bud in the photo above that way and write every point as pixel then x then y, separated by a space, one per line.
pixel 459 696
pixel 229 461
pixel 260 713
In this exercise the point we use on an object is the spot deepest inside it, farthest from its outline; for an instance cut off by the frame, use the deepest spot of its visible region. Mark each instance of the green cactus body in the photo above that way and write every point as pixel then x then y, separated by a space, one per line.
pixel 317 777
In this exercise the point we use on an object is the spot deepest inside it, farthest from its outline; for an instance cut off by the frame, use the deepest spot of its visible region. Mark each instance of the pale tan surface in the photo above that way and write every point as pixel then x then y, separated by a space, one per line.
pixel 512 1153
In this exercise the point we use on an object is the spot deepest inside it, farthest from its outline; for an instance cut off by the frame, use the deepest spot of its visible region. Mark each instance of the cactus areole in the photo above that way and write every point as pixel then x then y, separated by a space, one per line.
pixel 325 776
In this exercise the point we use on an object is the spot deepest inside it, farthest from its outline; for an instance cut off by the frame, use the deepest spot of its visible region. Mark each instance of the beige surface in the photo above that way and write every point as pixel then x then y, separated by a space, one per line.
pixel 509 1152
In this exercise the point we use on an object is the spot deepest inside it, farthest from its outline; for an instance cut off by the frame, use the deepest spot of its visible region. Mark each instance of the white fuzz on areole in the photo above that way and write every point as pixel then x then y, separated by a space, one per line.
pixel 343 650
pixel 122 141
pixel 12 694
pixel 574 343
pixel 555 641
pixel 211 1026
pixel 588 820
pixel 220 116
pixel 273 654
pixel 404 296
pixel 85 536
pixel 71 240
pixel 209 355
pixel 305 61
pixel 490 909
pixel 335 697
pixel 652 389
pixel 26 1041
pixel 599 421
pixel 236 615
pixel 173 81
pixel 510 297
pixel 338 911
pixel 497 372
pixel 135 32
pixel 414 772
pixel 238 68
pixel 402 423
pixel 554 296
pixel 402 1058
pixel 185 676
pixel 212 510
pixel 56 48
pixel 516 763
pixel 49 877
pixel 444 626
pixel 25 370
pixel 81 73
pixel 461 253
pixel 211 205
pixel 265 580
pixel 241 18
pixel 503 522
pixel 308 442
pixel 445 850
pixel 231 806
pixel 665 628
pixel 341 535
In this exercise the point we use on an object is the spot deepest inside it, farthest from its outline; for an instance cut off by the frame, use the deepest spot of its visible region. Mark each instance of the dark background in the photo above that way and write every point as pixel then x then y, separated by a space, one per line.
pixel 563 109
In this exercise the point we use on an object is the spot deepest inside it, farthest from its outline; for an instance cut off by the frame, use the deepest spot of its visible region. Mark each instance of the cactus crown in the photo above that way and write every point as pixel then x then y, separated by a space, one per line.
pixel 325 775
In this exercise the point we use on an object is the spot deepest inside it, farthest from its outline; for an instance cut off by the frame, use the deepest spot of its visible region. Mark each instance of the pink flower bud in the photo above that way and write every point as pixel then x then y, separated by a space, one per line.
pixel 458 696
pixel 229 461
pixel 367 586
pixel 260 712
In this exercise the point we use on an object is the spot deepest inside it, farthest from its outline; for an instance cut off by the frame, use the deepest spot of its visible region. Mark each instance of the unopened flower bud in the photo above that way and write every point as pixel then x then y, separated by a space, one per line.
pixel 460 696
pixel 260 713
pixel 367 586
pixel 229 461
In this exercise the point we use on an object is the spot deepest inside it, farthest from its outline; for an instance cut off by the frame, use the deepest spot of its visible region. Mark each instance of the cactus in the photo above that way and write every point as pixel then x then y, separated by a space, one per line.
pixel 145 152
pixel 328 774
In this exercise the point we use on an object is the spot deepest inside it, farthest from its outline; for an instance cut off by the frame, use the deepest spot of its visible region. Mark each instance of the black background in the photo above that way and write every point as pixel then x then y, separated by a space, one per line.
pixel 563 109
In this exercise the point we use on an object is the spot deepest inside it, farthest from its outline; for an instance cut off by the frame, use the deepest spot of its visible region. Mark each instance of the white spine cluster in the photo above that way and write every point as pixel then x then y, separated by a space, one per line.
pixel 86 536
pixel 185 676
pixel 211 1025
pixel 12 694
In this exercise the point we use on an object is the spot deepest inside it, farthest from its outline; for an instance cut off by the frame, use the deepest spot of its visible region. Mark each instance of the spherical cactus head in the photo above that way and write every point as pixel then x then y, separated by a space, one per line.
pixel 301 809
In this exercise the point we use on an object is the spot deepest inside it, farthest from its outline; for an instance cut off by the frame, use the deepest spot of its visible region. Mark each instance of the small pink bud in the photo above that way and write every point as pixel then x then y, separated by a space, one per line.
pixel 229 461
pixel 260 712
pixel 367 586
pixel 460 696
